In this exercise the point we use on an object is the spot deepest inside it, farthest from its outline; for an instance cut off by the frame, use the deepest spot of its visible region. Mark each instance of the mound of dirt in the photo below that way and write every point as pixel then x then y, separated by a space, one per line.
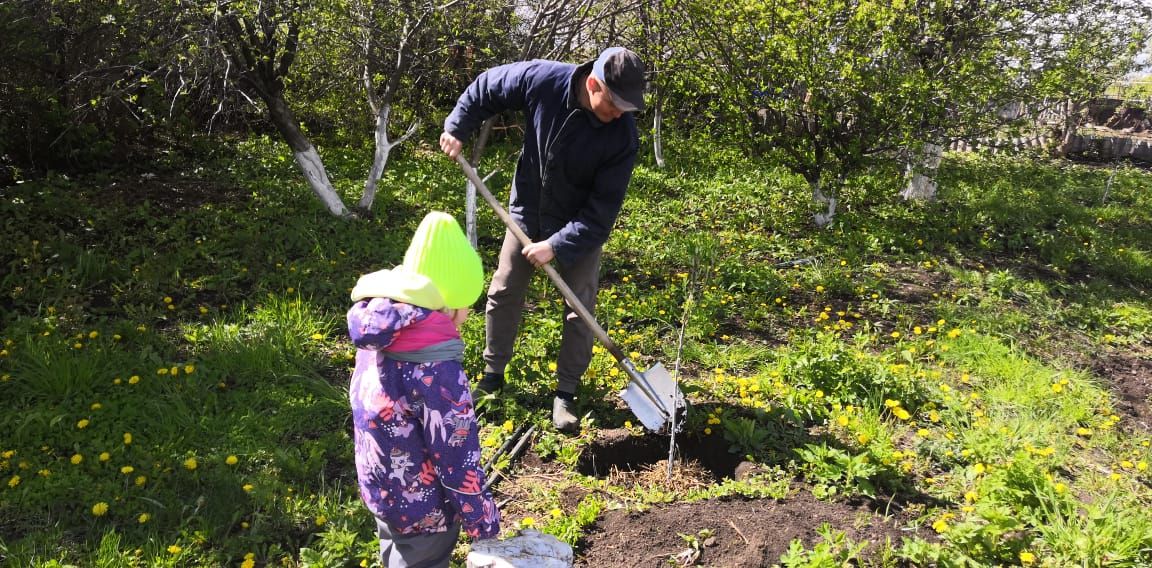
pixel 745 532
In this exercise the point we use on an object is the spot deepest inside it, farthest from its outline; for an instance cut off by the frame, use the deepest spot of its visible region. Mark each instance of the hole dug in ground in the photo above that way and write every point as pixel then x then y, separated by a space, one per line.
pixel 617 451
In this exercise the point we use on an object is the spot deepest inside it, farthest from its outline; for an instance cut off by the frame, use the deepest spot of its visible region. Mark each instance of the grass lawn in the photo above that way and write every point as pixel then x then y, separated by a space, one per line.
pixel 973 373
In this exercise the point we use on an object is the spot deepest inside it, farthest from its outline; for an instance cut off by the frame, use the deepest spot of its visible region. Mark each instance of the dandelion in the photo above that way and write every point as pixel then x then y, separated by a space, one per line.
pixel 203 310
pixel 940 526
pixel 76 459
pixel 317 336
pixel 321 520
pixel 105 456
pixel 1060 488
pixel 163 371
pixel 708 431
pixel 1142 465
pixel 141 480
pixel 127 469
pixel 1127 464
pixel 143 518
pixel 1057 387
pixel 248 487
pixel 819 289
pixel 83 423
pixel 901 413
pixel 175 549
pixel 248 563
pixel 231 460
pixel 127 438
pixel 953 333
pixel 527 522
pixel 923 433
pixel 1027 557
pixel 167 299
pixel 93 334
pixel 133 379
pixel 190 464
pixel 863 438
pixel 14 481
pixel 895 335
pixel 891 403
pixel 100 509
pixel 971 496
pixel 552 367
pixel 842 420
pixel 979 468
pixel 189 369
pixel 1083 432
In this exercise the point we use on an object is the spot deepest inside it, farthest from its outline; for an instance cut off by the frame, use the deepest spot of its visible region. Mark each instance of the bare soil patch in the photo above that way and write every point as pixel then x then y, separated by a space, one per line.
pixel 1130 378
pixel 746 532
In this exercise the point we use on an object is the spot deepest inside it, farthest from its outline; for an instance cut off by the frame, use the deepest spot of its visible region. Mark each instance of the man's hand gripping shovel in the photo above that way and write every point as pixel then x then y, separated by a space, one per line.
pixel 652 395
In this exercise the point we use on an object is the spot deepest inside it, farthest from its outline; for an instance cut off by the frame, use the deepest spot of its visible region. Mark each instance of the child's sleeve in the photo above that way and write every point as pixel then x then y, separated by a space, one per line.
pixel 373 323
pixel 454 447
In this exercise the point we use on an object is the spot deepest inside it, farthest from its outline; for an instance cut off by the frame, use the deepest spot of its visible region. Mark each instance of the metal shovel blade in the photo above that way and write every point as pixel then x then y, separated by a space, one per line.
pixel 654 411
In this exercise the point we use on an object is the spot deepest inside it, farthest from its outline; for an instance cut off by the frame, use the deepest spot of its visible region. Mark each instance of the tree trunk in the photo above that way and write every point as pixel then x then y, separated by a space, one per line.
pixel 307 158
pixel 380 157
pixel 922 167
pixel 1071 123
pixel 657 133
pixel 470 190
pixel 822 219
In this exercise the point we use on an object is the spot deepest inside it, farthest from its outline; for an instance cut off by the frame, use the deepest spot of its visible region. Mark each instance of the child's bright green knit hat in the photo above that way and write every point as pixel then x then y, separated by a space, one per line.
pixel 440 269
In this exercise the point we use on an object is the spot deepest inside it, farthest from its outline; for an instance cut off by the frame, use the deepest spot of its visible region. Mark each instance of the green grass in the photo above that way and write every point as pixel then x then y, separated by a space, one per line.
pixel 935 349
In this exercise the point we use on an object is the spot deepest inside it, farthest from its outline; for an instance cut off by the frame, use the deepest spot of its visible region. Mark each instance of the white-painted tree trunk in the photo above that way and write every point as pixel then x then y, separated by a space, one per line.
pixel 470 190
pixel 825 218
pixel 921 172
pixel 380 157
pixel 313 169
pixel 657 136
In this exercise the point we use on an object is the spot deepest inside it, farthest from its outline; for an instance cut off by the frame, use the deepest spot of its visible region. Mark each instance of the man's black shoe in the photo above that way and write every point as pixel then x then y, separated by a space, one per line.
pixel 489 383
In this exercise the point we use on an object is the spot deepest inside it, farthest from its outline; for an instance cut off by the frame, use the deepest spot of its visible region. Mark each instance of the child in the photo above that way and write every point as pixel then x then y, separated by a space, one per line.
pixel 417 447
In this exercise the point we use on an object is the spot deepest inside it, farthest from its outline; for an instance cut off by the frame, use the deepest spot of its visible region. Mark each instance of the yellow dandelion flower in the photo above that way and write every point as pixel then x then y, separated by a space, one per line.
pixel 1027 557
pixel 231 460
pixel 163 371
pixel 96 406
pixel 940 526
pixel 82 424
pixel 127 469
pixel 248 487
pixel 971 496
pixel 167 299
pixel 842 420
pixel 979 468
pixel 708 431
pixel 863 438
pixel 527 522
pixel 14 481
pixel 321 520
pixel 895 335
pixel 77 458
pixel 127 438
pixel 954 333
pixel 141 480
pixel 175 549
pixel 105 456
pixel 1142 465
pixel 248 563
pixel 1060 488
pixel 100 509
pixel 189 369
pixel 143 518
pixel 190 464
pixel 901 413
pixel 552 367
pixel 93 334
pixel 317 336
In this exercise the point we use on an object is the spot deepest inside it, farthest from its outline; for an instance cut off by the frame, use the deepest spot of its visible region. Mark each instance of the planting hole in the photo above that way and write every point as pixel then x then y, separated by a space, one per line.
pixel 614 452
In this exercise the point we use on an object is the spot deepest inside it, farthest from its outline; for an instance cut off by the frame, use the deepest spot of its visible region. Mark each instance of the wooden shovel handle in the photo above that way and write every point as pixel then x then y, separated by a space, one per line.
pixel 565 291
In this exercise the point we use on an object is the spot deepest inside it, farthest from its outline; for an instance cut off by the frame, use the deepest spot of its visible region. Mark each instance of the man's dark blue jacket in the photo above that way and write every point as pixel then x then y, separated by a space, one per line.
pixel 573 171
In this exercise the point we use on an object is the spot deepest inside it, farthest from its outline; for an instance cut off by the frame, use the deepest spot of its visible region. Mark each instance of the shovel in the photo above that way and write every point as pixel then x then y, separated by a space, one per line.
pixel 653 396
